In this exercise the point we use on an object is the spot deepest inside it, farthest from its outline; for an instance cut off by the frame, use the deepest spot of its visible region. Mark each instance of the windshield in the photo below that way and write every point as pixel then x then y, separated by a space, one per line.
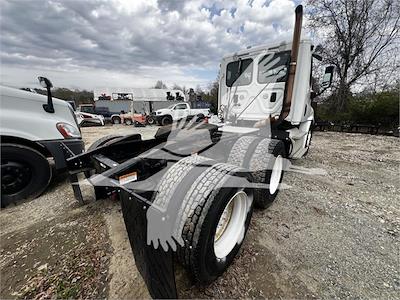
pixel 171 106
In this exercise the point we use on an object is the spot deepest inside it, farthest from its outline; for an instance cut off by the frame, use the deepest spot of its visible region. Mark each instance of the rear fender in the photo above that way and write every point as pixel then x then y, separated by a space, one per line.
pixel 119 149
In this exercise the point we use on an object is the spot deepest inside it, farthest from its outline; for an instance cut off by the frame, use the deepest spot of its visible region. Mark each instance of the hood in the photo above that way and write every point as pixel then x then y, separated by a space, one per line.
pixel 162 111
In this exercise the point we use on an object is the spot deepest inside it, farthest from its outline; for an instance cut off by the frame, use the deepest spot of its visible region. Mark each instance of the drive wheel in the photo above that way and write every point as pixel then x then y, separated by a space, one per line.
pixel 212 213
pixel 267 165
pixel 128 122
pixel 242 151
pixel 25 173
pixel 217 222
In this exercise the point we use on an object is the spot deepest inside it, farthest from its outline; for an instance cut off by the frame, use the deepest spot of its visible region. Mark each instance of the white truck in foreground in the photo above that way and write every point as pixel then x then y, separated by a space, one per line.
pixel 179 111
pixel 34 129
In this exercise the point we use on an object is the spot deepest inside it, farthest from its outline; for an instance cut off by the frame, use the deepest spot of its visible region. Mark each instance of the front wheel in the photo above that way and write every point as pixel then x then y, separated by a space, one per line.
pixel 25 173
pixel 116 120
pixel 128 122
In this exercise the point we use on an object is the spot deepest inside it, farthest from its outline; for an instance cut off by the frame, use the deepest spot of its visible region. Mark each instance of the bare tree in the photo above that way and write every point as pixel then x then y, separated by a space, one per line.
pixel 160 85
pixel 177 87
pixel 360 38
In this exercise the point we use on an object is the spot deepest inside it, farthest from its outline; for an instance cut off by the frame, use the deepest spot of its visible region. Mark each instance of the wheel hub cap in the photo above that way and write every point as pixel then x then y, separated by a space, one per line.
pixel 231 225
pixel 14 176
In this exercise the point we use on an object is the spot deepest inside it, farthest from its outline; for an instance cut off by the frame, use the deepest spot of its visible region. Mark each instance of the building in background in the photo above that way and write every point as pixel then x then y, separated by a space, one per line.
pixel 141 100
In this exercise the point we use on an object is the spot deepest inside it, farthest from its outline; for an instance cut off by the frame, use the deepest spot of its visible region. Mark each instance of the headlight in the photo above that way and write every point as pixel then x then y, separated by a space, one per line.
pixel 68 131
pixel 159 113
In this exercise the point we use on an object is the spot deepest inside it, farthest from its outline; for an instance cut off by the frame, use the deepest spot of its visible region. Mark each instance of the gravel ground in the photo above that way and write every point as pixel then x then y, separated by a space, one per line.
pixel 334 234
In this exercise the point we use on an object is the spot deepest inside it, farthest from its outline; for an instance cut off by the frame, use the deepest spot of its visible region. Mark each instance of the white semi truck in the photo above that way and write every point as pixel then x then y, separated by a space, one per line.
pixel 188 194
pixel 34 129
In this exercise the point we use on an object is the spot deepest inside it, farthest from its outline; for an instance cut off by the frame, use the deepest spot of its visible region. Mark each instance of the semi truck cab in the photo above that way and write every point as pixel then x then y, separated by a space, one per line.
pixel 253 86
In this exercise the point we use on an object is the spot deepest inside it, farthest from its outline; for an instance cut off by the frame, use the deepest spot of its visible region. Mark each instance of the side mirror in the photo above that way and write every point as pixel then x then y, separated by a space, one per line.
pixel 317 52
pixel 44 82
pixel 328 76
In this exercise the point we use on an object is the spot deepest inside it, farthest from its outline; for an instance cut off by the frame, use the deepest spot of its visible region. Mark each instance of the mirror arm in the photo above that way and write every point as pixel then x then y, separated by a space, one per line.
pixel 49 107
pixel 317 56
pixel 315 95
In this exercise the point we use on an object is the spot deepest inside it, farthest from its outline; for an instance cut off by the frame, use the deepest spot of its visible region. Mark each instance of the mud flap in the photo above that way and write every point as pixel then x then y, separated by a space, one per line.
pixel 155 265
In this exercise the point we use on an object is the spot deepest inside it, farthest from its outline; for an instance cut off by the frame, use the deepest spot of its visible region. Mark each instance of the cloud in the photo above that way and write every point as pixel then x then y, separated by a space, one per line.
pixel 137 42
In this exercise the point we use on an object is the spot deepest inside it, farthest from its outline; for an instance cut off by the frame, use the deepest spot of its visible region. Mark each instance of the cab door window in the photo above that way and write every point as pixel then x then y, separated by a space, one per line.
pixel 181 106
pixel 239 72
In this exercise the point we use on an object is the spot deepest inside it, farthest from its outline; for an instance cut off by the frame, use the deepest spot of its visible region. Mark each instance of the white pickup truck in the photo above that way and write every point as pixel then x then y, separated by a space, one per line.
pixel 179 111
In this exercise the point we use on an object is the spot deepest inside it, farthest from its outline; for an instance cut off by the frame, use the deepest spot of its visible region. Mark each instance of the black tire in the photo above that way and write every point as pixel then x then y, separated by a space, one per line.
pixel 309 139
pixel 167 120
pixel 128 122
pixel 150 120
pixel 204 188
pixel 200 117
pixel 25 173
pixel 261 165
pixel 116 120
pixel 242 151
pixel 207 200
pixel 103 141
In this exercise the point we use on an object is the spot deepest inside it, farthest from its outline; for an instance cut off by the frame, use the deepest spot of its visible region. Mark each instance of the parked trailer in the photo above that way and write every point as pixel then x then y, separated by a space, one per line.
pixel 187 194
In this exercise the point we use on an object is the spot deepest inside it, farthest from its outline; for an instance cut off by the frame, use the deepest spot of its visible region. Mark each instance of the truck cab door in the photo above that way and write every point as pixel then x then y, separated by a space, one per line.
pixel 181 111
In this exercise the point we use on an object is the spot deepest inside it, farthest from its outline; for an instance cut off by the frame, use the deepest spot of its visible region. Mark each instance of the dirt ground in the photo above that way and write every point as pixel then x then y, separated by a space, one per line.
pixel 330 234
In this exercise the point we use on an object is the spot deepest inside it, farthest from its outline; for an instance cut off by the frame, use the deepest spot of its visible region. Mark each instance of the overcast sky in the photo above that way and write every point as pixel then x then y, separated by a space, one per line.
pixel 94 43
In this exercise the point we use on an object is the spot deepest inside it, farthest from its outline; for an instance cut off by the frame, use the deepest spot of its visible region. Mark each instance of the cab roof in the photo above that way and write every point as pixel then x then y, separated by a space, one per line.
pixel 273 47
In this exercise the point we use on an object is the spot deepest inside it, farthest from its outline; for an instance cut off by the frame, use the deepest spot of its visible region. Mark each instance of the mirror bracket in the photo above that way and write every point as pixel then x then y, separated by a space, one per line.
pixel 46 83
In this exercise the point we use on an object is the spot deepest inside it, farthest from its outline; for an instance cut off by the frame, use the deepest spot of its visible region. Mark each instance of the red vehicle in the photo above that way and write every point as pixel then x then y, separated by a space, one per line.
pixel 137 119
